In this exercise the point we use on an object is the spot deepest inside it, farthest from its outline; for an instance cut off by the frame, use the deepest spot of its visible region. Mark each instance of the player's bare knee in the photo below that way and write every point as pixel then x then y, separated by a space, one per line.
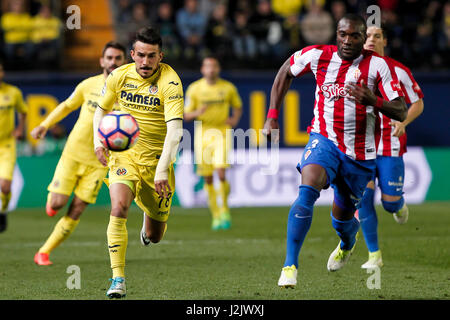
pixel 208 179
pixel 57 202
pixel 5 185
pixel 371 185
pixel 120 210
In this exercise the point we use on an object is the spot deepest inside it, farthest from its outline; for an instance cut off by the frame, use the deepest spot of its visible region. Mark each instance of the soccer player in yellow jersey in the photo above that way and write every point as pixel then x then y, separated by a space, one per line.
pixel 209 100
pixel 152 93
pixel 10 101
pixel 78 169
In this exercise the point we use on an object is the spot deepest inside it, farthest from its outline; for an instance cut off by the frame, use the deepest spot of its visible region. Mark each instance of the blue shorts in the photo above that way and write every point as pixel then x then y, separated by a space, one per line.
pixel 391 175
pixel 346 176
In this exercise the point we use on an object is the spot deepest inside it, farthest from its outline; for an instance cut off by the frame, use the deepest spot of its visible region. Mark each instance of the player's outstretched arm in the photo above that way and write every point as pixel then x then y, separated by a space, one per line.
pixel 280 87
pixel 395 109
pixel 100 151
pixel 414 111
pixel 169 153
pixel 59 113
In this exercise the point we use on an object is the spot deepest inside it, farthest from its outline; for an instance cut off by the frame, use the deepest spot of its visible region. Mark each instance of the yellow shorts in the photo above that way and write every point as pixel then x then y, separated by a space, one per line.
pixel 84 180
pixel 7 158
pixel 211 150
pixel 123 169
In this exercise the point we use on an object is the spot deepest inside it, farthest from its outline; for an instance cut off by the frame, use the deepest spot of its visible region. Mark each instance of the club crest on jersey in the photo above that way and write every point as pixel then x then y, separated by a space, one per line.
pixel 121 171
pixel 357 74
pixel 153 89
pixel 333 91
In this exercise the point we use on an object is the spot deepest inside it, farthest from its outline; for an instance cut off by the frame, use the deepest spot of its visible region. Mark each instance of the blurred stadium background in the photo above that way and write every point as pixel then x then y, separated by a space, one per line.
pixel 45 57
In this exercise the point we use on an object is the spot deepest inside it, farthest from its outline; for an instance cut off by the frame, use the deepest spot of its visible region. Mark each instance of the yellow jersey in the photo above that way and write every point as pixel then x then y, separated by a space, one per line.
pixel 151 101
pixel 11 100
pixel 45 29
pixel 79 145
pixel 218 98
pixel 16 27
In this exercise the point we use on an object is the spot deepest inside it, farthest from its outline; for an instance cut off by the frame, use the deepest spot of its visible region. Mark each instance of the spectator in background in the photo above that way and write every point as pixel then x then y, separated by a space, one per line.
pixel 191 26
pixel 292 32
pixel 139 19
pixel 424 43
pixel 124 11
pixel 218 37
pixel 444 35
pixel 287 8
pixel 317 25
pixel 168 31
pixel 244 43
pixel 206 7
pixel 16 25
pixel 338 10
pixel 46 34
pixel 267 29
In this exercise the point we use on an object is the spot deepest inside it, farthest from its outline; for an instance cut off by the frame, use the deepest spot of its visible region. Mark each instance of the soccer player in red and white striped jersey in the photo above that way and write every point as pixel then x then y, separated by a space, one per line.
pixel 341 150
pixel 390 138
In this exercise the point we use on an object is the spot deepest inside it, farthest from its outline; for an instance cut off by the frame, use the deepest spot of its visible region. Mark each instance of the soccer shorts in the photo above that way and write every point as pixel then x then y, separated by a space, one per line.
pixel 73 176
pixel 391 175
pixel 346 176
pixel 7 158
pixel 123 169
pixel 211 149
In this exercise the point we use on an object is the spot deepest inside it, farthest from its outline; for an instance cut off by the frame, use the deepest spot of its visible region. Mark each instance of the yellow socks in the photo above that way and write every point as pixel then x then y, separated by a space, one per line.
pixel 212 203
pixel 117 244
pixel 224 191
pixel 5 200
pixel 63 228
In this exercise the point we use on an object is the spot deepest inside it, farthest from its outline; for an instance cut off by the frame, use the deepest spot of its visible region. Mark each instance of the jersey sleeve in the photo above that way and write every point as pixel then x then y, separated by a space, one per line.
pixel 173 98
pixel 190 101
pixel 301 60
pixel 109 92
pixel 410 87
pixel 20 105
pixel 76 99
pixel 387 82
pixel 235 98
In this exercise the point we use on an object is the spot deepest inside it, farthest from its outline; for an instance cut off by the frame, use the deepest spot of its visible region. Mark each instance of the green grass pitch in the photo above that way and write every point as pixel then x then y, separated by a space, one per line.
pixel 194 263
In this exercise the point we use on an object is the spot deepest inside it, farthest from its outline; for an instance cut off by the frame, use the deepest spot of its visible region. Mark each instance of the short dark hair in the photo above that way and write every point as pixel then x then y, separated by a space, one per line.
pixel 148 35
pixel 115 45
pixel 211 56
pixel 355 18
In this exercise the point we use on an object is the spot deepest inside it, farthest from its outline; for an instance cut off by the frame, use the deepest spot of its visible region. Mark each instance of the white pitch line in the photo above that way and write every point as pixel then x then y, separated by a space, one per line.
pixel 70 243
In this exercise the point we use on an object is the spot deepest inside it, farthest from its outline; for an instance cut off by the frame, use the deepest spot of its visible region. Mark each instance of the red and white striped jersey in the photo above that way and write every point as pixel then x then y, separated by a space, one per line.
pixel 337 116
pixel 387 144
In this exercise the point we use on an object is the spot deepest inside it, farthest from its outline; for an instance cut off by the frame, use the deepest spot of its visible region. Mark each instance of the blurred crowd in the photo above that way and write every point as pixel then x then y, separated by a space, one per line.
pixel 244 34
pixel 31 35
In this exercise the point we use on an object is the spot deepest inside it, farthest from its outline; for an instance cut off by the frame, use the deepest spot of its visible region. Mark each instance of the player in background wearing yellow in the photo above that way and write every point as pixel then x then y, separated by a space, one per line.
pixel 78 169
pixel 209 100
pixel 152 93
pixel 11 100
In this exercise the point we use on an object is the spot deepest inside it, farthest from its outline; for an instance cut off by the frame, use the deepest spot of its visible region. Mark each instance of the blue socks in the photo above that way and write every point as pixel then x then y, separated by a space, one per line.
pixel 368 220
pixel 346 230
pixel 393 206
pixel 299 222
